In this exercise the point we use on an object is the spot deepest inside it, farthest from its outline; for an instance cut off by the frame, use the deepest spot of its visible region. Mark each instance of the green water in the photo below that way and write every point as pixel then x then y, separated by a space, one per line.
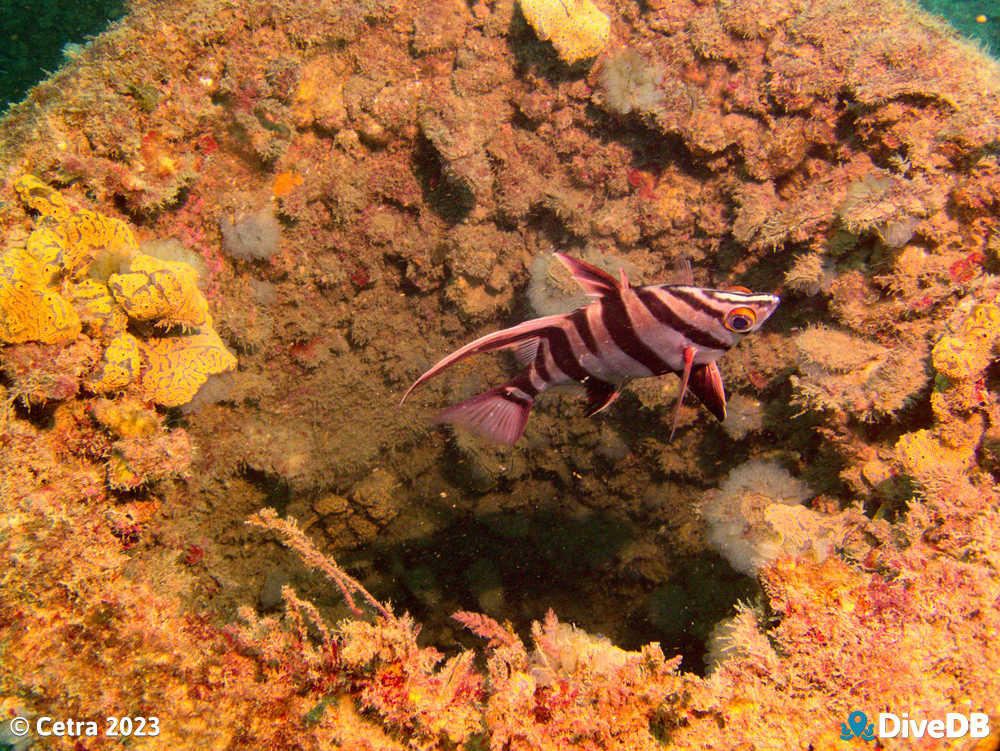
pixel 33 34
pixel 976 19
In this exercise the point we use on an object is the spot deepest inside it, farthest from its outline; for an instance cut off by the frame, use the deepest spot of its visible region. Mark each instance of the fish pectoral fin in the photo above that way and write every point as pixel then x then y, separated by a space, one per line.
pixel 684 272
pixel 706 384
pixel 527 350
pixel 600 395
pixel 594 281
pixel 689 353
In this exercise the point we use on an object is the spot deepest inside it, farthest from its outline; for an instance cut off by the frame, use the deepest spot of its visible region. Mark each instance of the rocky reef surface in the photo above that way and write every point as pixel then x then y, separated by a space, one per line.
pixel 235 232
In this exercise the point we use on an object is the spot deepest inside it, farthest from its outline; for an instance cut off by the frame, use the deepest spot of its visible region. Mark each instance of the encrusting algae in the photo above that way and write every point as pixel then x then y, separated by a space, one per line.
pixel 843 372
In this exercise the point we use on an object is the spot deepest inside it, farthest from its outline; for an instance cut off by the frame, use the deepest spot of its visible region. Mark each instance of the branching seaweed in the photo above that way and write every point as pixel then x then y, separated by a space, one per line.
pixel 294 538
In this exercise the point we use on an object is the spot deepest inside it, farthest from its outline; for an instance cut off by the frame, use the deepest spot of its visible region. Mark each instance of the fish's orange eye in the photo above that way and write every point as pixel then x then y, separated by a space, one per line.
pixel 740 320
pixel 737 288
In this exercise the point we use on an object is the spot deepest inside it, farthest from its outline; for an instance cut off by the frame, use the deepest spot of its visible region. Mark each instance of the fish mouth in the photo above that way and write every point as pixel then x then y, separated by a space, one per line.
pixel 772 306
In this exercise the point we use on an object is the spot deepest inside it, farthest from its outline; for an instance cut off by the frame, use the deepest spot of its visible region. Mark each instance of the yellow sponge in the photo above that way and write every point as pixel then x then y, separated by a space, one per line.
pixel 80 268
pixel 953 357
pixel 965 356
pixel 30 314
pixel 576 28
pixel 119 367
pixel 40 197
pixel 175 367
pixel 164 291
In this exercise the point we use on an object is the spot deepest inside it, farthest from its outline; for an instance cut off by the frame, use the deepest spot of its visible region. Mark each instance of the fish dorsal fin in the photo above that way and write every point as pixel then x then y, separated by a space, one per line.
pixel 595 281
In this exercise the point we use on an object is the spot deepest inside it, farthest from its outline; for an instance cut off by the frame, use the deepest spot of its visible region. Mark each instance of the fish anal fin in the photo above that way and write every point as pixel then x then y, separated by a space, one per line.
pixel 600 395
pixel 705 382
pixel 594 281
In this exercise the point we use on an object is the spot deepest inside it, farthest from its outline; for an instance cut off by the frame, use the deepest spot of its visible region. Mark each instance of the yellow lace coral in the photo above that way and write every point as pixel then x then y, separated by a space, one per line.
pixel 72 238
pixel 119 367
pixel 29 309
pixel 89 234
pixel 39 261
pixel 63 244
pixel 39 197
pixel 97 309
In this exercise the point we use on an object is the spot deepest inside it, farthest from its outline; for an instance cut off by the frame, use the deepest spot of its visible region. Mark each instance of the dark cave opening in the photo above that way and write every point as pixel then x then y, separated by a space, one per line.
pixel 513 567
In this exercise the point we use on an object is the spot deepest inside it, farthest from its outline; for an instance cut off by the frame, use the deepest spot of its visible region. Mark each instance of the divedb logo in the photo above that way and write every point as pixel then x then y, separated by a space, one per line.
pixel 890 725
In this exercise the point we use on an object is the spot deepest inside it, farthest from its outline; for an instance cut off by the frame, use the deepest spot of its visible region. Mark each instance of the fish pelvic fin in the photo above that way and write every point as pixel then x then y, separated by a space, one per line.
pixel 684 272
pixel 706 383
pixel 689 354
pixel 498 415
pixel 594 281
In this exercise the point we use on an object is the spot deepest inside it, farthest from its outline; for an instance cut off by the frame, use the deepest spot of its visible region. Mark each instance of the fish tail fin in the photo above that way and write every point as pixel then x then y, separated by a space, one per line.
pixel 499 414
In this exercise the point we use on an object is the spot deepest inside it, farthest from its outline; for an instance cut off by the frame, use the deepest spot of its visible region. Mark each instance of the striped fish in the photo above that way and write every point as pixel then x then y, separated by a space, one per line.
pixel 627 332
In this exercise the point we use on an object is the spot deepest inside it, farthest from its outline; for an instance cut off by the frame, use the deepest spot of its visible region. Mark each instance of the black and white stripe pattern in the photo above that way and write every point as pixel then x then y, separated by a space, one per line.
pixel 640 333
pixel 627 332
